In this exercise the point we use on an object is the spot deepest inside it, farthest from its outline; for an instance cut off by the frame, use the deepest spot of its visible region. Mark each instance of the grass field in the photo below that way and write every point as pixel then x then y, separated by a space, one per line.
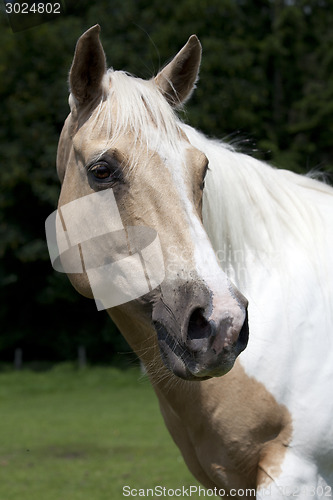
pixel 69 434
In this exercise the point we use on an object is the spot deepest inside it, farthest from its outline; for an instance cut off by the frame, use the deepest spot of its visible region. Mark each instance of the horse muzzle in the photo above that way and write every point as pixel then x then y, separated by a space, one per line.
pixel 198 337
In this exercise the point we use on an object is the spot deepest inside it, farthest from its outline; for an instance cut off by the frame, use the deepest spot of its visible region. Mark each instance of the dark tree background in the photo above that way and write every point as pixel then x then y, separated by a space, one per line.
pixel 266 84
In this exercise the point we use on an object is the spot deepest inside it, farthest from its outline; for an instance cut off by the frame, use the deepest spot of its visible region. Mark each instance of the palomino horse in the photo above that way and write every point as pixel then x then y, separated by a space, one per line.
pixel 229 227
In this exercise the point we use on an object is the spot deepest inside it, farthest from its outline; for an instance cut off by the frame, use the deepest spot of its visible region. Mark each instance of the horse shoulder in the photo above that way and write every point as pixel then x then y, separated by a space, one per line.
pixel 179 432
pixel 227 428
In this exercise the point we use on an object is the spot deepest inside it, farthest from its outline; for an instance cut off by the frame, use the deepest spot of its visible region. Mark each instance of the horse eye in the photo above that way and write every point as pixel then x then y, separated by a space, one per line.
pixel 101 171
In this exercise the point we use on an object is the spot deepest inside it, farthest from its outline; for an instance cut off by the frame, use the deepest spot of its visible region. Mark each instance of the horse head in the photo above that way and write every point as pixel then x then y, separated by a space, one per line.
pixel 123 136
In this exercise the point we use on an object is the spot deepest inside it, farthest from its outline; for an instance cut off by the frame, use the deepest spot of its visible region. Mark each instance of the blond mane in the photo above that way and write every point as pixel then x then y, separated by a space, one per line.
pixel 135 106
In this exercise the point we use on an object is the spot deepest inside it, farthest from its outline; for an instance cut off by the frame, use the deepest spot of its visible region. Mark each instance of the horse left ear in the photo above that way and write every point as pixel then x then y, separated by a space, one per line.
pixel 177 80
pixel 88 67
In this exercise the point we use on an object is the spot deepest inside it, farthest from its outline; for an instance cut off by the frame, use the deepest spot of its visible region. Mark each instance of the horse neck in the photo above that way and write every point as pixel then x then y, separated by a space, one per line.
pixel 141 336
pixel 265 222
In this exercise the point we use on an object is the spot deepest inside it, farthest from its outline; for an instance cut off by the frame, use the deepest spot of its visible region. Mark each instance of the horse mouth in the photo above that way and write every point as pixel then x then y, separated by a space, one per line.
pixel 198 365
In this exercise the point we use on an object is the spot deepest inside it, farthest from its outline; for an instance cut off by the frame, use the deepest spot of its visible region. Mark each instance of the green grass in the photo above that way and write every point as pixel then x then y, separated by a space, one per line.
pixel 70 434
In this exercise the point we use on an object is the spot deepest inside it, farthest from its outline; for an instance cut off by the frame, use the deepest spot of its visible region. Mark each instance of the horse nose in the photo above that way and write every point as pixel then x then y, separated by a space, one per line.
pixel 199 329
pixel 229 331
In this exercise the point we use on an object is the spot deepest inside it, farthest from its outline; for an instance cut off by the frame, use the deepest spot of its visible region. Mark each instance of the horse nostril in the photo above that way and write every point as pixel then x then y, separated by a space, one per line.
pixel 198 326
pixel 244 334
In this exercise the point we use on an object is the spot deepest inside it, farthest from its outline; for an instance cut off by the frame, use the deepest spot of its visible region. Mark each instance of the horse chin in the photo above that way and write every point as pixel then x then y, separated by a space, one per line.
pixel 190 366
pixel 199 375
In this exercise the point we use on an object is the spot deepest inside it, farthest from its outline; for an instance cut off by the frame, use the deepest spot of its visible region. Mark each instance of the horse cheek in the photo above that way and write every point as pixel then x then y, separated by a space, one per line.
pixel 81 284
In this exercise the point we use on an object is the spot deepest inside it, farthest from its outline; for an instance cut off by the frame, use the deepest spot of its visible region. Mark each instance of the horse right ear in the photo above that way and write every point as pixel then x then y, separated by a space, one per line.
pixel 177 80
pixel 88 67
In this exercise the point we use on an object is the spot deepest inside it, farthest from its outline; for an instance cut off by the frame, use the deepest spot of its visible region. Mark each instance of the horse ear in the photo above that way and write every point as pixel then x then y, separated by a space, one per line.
pixel 88 67
pixel 177 80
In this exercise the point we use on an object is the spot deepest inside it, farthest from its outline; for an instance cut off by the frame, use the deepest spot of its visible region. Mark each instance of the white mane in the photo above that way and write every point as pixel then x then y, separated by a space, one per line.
pixel 254 211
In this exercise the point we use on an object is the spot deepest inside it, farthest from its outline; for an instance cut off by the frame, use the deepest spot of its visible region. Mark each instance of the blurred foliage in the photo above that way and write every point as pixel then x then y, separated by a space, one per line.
pixel 266 84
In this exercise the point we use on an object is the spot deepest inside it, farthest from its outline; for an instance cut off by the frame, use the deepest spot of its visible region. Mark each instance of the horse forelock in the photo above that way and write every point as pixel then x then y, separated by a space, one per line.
pixel 130 105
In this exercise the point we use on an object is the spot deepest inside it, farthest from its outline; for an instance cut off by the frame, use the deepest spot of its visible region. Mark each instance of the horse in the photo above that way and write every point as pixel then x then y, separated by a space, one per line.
pixel 236 336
